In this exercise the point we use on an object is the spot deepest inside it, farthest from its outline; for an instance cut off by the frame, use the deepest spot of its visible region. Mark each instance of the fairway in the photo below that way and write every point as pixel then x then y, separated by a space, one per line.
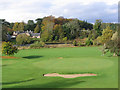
pixel 27 70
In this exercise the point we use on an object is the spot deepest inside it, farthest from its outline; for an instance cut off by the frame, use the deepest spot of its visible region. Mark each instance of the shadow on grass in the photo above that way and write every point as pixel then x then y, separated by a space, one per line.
pixel 55 84
pixel 32 57
pixel 6 83
pixel 4 65
pixel 59 84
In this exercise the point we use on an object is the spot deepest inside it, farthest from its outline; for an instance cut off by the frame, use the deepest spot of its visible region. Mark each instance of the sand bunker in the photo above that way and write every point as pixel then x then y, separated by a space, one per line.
pixel 69 76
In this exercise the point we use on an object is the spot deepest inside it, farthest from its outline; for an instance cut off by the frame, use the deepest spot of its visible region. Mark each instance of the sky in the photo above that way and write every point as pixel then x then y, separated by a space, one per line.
pixel 90 10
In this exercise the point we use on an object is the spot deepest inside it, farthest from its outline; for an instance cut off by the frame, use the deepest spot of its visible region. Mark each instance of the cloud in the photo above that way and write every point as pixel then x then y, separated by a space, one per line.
pixel 90 10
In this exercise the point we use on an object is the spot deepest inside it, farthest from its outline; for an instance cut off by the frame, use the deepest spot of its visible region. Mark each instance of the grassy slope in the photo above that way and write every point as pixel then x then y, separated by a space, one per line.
pixel 27 71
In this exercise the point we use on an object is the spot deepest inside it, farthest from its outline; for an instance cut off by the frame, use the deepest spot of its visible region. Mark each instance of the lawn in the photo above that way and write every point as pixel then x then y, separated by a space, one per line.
pixel 27 71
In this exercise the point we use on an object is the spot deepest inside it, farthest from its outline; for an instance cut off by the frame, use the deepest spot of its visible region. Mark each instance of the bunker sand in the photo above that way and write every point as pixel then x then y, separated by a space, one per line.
pixel 69 76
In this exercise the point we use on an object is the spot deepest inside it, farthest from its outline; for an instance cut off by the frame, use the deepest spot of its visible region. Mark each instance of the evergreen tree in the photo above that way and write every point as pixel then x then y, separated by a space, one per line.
pixel 98 27
pixel 37 29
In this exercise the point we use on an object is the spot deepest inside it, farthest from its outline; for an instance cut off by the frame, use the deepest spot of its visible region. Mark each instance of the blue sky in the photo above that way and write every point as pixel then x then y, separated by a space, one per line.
pixel 90 10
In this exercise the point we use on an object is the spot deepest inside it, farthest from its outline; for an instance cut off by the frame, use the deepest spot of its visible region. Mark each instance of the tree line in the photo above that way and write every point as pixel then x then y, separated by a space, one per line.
pixel 52 28
pixel 62 29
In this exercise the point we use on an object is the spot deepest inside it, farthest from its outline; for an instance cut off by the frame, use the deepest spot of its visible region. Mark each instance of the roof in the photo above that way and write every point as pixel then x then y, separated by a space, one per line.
pixel 35 34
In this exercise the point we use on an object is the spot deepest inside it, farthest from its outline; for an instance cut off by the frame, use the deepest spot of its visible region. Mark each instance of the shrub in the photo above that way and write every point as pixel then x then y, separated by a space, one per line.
pixel 96 42
pixel 65 39
pixel 75 43
pixel 22 39
pixel 50 37
pixel 60 40
pixel 56 38
pixel 35 39
pixel 79 43
pixel 37 45
pixel 9 49
pixel 45 36
pixel 81 37
pixel 89 42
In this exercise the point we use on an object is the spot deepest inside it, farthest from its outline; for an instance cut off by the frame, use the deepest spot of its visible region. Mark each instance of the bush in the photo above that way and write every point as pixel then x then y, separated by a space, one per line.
pixel 65 39
pixel 79 43
pixel 75 43
pixel 96 42
pixel 81 37
pixel 37 45
pixel 9 49
pixel 89 42
pixel 22 39
pixel 45 36
pixel 35 39
pixel 56 38
pixel 50 37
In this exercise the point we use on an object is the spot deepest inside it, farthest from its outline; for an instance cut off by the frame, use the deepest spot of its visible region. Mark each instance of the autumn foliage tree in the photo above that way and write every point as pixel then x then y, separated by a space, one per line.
pixel 8 48
pixel 106 35
pixel 15 27
pixel 114 44
pixel 21 26
pixel 111 42
pixel 58 32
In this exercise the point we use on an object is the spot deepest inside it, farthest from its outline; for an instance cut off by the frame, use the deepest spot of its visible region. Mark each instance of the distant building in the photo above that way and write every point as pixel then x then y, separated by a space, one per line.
pixel 8 37
pixel 28 33
pixel 35 35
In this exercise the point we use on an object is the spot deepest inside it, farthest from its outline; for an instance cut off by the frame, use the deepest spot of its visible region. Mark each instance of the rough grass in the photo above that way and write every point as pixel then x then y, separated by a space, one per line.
pixel 27 71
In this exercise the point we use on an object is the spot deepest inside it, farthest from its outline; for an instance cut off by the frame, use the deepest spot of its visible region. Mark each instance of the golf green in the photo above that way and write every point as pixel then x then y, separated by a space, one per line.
pixel 27 70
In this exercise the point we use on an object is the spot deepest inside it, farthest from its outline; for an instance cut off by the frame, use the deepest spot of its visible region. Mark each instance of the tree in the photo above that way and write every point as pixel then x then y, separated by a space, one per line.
pixel 113 26
pixel 5 27
pixel 85 25
pixel 9 49
pixel 11 25
pixel 92 35
pixel 111 42
pixel 113 45
pixel 106 35
pixel 30 25
pixel 61 20
pixel 47 27
pixel 39 21
pixel 22 39
pixel 97 26
pixel 48 23
pixel 30 22
pixel 37 29
pixel 45 36
pixel 72 28
pixel 89 42
pixel 4 33
pixel 21 26
pixel 15 27
pixel 58 31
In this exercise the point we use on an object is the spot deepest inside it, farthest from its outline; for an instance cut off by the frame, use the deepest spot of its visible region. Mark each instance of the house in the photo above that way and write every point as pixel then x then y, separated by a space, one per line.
pixel 28 33
pixel 35 35
pixel 8 37
pixel 15 33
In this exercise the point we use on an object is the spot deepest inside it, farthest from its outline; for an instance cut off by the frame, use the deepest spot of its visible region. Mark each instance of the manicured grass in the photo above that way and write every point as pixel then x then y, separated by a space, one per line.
pixel 28 70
